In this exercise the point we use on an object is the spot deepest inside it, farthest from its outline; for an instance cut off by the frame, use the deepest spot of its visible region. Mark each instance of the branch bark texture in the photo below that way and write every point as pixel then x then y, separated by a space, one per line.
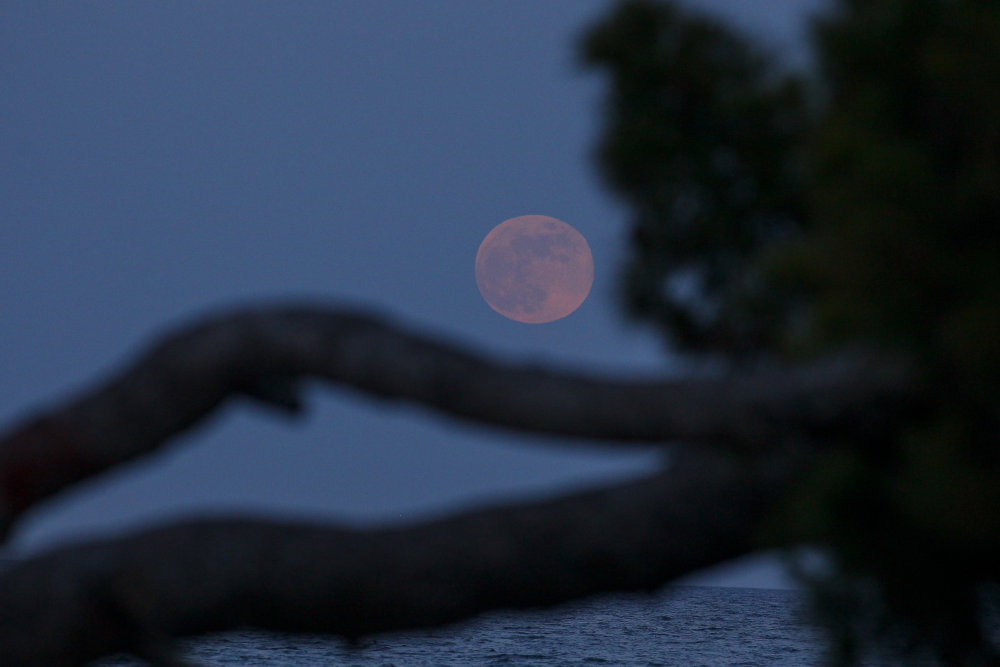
pixel 134 593
pixel 265 353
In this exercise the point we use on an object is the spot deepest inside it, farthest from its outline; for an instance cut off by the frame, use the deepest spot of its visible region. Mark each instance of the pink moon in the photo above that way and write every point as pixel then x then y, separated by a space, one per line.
pixel 534 269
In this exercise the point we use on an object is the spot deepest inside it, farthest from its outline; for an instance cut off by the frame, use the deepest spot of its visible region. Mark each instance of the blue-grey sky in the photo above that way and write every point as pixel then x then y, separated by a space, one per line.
pixel 160 160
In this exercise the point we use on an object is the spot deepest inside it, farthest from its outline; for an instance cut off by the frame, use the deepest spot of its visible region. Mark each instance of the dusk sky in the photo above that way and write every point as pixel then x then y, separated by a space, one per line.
pixel 163 160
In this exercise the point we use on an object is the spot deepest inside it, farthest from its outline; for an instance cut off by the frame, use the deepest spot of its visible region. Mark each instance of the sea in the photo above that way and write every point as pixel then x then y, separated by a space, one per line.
pixel 681 625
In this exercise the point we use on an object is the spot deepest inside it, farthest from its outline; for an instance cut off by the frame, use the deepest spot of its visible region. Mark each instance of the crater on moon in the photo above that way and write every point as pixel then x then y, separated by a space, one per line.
pixel 534 269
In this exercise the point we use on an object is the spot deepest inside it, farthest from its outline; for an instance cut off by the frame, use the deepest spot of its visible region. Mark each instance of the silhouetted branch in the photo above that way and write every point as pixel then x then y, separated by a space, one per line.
pixel 134 593
pixel 265 352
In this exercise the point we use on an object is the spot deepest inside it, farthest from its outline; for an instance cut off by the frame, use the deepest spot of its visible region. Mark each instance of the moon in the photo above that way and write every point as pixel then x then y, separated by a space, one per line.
pixel 534 269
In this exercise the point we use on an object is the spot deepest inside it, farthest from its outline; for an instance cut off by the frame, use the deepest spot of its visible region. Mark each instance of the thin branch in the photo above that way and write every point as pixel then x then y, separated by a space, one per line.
pixel 265 352
pixel 132 593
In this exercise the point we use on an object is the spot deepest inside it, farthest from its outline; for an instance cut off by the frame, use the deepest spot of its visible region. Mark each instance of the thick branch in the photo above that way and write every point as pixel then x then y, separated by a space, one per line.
pixel 89 600
pixel 264 352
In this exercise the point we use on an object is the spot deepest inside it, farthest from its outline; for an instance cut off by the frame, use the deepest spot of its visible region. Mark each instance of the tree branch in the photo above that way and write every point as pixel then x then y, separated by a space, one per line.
pixel 132 593
pixel 264 352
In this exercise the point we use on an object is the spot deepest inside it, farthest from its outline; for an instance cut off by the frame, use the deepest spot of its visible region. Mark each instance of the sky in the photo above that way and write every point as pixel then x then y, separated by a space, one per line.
pixel 159 161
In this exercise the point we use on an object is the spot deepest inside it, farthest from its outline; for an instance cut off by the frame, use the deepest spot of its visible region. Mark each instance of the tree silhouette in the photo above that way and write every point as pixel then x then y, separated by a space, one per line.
pixel 830 237
pixel 134 592
pixel 780 216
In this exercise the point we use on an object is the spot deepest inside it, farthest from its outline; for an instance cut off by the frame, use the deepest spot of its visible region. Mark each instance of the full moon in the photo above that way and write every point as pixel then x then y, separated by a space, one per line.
pixel 534 269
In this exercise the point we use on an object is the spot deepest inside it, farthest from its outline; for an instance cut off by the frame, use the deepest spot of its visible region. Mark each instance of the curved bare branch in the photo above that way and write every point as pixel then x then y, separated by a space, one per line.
pixel 134 593
pixel 265 352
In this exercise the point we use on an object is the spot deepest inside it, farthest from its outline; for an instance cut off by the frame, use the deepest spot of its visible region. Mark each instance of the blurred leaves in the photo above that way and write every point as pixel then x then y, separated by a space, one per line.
pixel 774 215
pixel 704 140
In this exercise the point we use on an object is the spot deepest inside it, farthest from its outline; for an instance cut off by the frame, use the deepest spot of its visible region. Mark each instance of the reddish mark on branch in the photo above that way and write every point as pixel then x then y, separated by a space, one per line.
pixel 38 459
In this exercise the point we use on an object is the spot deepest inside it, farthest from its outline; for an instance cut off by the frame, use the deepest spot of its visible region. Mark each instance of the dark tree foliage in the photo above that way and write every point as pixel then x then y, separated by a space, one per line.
pixel 703 139
pixel 856 206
